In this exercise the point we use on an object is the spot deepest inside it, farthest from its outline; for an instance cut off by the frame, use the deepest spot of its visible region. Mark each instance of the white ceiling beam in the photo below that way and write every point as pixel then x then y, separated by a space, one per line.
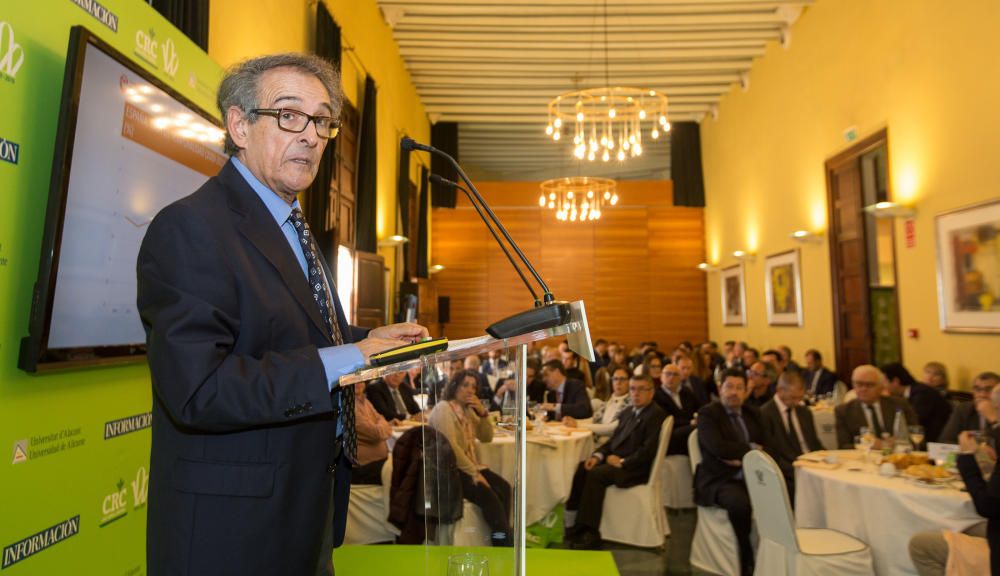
pixel 541 35
pixel 535 118
pixel 593 12
pixel 562 19
pixel 635 53
pixel 589 45
pixel 500 95
pixel 541 101
pixel 588 3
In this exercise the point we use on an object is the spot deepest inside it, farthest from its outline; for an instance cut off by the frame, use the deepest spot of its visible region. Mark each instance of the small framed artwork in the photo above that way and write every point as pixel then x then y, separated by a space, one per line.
pixel 968 268
pixel 733 296
pixel 783 289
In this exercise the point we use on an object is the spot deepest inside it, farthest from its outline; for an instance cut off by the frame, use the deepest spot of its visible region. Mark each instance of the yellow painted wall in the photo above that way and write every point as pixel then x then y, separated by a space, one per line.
pixel 926 70
pixel 241 29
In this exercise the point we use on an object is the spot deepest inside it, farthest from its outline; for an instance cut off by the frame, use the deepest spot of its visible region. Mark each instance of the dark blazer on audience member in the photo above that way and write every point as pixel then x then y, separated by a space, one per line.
pixel 380 396
pixel 827 381
pixel 703 390
pixel 720 439
pixel 963 417
pixel 575 401
pixel 851 417
pixel 536 393
pixel 635 439
pixel 932 409
pixel 682 417
pixel 779 444
pixel 986 499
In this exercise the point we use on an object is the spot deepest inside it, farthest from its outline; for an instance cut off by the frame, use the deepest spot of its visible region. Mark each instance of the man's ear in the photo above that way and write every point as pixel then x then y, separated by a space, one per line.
pixel 237 126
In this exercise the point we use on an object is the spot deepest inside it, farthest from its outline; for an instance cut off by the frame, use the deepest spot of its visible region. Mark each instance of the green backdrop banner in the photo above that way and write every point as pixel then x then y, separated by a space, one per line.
pixel 75 443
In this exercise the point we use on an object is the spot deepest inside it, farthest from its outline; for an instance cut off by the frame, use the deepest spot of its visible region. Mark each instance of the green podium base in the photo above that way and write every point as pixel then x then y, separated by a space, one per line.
pixel 399 560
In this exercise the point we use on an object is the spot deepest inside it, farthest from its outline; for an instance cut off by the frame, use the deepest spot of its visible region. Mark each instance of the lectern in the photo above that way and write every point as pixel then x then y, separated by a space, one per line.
pixel 470 532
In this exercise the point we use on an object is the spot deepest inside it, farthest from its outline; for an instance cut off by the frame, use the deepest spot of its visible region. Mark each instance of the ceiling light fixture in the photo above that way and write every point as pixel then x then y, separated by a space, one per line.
pixel 578 198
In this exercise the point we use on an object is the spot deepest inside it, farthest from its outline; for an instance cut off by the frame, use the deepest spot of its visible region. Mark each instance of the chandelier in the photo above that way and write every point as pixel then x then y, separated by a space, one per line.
pixel 578 198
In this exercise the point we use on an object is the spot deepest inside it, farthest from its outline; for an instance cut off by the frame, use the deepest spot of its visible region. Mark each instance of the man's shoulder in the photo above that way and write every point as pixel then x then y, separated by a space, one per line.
pixel 768 408
pixel 845 407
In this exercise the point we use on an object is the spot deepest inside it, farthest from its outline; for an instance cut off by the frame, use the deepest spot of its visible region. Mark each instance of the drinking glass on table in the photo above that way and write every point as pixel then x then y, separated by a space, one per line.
pixel 863 443
pixel 468 565
pixel 916 436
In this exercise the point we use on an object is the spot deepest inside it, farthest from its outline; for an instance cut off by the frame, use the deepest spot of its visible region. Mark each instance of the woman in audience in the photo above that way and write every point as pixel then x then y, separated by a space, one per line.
pixel 936 376
pixel 462 418
pixel 701 364
pixel 602 384
pixel 606 417
pixel 373 430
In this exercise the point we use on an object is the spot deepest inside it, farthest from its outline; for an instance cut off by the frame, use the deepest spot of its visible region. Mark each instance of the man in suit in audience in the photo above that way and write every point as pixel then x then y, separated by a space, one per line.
pixel 789 427
pixel 931 408
pixel 623 461
pixel 679 402
pixel 727 430
pixel 564 397
pixel 818 379
pixel 507 388
pixel 870 409
pixel 786 358
pixel 703 391
pixel 978 414
pixel 774 358
pixel 761 378
pixel 392 398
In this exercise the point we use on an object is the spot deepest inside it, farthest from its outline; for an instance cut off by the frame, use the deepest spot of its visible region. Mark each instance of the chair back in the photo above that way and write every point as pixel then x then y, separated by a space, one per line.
pixel 769 498
pixel 661 451
pixel 694 450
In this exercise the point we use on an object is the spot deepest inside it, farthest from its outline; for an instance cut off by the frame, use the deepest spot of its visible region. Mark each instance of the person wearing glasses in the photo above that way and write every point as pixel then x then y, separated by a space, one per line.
pixel 870 410
pixel 978 414
pixel 253 438
pixel 606 417
pixel 762 378
pixel 681 403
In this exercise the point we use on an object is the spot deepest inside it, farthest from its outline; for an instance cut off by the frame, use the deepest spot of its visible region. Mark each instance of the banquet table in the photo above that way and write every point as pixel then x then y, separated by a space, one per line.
pixel 551 461
pixel 882 511
pixel 826 426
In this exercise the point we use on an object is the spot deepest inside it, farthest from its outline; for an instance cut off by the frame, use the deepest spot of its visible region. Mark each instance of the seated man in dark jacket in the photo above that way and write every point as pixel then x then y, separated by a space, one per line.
pixel 564 397
pixel 789 427
pixel 977 414
pixel 679 402
pixel 625 460
pixel 931 407
pixel 392 398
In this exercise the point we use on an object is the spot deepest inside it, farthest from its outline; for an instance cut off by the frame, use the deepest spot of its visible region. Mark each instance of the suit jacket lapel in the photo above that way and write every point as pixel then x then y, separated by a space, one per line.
pixel 259 228
pixel 628 423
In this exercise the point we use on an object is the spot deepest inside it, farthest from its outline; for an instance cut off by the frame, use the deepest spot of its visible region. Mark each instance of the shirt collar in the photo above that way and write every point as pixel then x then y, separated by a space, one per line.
pixel 781 405
pixel 279 209
pixel 562 387
pixel 734 412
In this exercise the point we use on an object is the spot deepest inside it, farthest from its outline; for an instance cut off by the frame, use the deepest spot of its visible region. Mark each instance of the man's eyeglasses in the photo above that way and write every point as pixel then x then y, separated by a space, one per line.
pixel 670 373
pixel 291 120
pixel 620 379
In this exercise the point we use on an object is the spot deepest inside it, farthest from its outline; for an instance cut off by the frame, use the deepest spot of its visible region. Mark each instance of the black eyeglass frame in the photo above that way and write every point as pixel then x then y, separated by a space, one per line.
pixel 276 113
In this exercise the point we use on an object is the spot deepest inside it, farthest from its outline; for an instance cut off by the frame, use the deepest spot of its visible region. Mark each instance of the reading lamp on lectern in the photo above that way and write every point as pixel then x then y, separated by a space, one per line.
pixel 548 312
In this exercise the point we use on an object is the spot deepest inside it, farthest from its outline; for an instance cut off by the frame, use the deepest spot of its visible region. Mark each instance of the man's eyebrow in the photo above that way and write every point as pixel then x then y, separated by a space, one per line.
pixel 296 99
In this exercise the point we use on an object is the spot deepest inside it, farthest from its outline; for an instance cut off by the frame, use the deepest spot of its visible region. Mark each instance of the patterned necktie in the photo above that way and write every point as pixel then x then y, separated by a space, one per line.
pixel 321 294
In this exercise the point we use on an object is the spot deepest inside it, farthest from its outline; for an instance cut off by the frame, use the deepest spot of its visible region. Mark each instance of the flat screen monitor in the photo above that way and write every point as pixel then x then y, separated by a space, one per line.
pixel 127 145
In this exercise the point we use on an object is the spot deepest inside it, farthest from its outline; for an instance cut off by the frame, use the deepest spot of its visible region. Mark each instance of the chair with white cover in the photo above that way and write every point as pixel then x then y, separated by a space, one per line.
pixel 636 515
pixel 368 513
pixel 472 529
pixel 784 550
pixel 677 482
pixel 713 548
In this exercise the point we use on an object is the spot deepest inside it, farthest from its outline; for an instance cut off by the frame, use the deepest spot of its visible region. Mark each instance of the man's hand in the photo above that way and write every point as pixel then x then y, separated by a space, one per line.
pixel 615 461
pixel 569 422
pixel 509 385
pixel 986 410
pixel 967 442
pixel 733 463
pixel 480 479
pixel 548 406
pixel 589 463
pixel 370 345
pixel 406 331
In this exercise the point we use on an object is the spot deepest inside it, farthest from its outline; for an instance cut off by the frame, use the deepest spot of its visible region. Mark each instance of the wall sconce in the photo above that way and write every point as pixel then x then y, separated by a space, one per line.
pixel 890 210
pixel 744 255
pixel 393 241
pixel 706 267
pixel 435 269
pixel 806 237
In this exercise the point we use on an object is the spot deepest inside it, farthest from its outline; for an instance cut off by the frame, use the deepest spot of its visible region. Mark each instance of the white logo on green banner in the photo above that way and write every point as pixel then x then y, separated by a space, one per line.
pixel 11 53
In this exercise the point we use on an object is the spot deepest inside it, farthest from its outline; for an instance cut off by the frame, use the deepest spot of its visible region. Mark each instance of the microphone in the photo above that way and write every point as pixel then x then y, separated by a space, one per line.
pixel 445 182
pixel 547 315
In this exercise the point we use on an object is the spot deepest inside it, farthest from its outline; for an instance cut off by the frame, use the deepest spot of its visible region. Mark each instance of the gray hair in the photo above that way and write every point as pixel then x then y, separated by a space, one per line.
pixel 241 84
pixel 790 378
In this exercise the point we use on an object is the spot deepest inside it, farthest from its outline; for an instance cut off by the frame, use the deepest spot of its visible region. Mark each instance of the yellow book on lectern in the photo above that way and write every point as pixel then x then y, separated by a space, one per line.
pixel 408 352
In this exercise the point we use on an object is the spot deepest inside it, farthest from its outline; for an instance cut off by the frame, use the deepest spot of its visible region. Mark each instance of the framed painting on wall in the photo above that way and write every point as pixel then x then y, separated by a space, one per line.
pixel 783 289
pixel 968 268
pixel 733 296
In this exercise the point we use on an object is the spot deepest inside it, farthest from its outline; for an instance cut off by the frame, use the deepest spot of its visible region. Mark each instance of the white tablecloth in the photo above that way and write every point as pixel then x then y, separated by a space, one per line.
pixel 883 512
pixel 826 427
pixel 550 467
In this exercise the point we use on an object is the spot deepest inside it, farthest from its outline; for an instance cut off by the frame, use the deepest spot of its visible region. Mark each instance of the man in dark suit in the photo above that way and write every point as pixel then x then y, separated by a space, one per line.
pixel 818 379
pixel 564 397
pixel 727 430
pixel 392 398
pixel 679 402
pixel 978 414
pixel 507 388
pixel 789 429
pixel 761 380
pixel 870 409
pixel 253 439
pixel 931 407
pixel 624 461
pixel 702 390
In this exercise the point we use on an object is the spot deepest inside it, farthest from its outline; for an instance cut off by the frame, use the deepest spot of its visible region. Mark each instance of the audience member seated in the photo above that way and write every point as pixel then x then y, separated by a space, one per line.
pixel 483 389
pixel 727 430
pixel 870 409
pixel 652 367
pixel 463 419
pixel 774 358
pixel 762 378
pixel 507 388
pixel 372 431
pixel 789 429
pixel 564 397
pixel 495 364
pixel 750 356
pixel 391 398
pixel 936 376
pixel 624 461
pixel 602 386
pixel 931 408
pixel 703 390
pixel 576 368
pixel 929 550
pixel 606 417
pixel 787 359
pixel 977 414
pixel 601 356
pixel 818 379
pixel 679 402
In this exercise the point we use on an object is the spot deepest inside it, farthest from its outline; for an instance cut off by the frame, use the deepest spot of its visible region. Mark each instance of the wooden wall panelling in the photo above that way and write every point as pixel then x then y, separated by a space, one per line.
pixel 459 244
pixel 620 304
pixel 677 291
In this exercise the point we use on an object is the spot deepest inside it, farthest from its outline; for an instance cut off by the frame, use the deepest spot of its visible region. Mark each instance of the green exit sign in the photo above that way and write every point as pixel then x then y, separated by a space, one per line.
pixel 851 134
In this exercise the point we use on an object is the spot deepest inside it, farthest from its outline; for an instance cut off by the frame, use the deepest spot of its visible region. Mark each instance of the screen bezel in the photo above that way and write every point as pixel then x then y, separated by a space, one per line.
pixel 35 354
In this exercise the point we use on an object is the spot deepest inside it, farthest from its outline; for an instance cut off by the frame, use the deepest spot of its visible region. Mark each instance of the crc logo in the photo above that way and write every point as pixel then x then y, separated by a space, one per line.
pixel 146 45
pixel 11 53
pixel 115 504
pixel 170 59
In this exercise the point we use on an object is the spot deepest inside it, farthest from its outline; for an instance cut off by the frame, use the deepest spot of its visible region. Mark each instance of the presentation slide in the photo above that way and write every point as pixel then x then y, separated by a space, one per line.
pixel 136 150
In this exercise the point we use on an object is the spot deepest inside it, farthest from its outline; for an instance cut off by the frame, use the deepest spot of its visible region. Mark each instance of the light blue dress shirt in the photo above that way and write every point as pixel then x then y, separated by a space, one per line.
pixel 337 360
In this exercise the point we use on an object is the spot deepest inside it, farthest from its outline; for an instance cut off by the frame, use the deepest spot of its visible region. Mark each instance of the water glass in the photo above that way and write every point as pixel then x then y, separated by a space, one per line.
pixel 468 565
pixel 916 436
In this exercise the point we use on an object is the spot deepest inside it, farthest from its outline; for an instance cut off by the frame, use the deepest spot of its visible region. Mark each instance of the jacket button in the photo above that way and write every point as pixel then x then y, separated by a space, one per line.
pixel 332 468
